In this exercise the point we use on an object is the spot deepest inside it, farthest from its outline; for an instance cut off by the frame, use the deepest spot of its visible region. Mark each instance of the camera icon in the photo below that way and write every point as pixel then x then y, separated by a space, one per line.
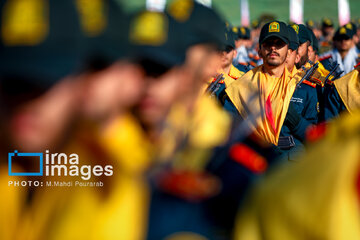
pixel 23 156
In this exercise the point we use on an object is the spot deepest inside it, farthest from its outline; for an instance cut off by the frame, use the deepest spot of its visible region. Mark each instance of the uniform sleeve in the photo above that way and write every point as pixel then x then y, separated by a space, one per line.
pixel 230 107
pixel 333 103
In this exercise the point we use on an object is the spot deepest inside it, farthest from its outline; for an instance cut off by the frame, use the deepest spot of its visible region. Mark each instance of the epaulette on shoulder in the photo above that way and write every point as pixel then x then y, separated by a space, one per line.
pixel 309 83
pixel 221 81
pixel 254 57
pixel 324 58
pixel 329 82
pixel 233 77
pixel 316 81
pixel 252 63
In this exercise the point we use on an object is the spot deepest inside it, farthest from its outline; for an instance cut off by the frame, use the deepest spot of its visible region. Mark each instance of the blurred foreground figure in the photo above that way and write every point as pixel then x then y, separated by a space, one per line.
pixel 61 91
pixel 319 198
pixel 202 171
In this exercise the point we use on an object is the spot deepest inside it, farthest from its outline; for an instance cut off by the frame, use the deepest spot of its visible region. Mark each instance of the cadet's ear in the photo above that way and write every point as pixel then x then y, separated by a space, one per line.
pixel 234 52
pixel 259 52
pixel 298 57
pixel 288 52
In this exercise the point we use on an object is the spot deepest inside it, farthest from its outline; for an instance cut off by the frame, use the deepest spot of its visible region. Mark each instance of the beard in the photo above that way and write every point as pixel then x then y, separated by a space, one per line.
pixel 273 63
pixel 302 61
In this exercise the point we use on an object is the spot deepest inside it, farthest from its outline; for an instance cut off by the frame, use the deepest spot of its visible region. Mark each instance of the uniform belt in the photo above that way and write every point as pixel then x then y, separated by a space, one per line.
pixel 286 142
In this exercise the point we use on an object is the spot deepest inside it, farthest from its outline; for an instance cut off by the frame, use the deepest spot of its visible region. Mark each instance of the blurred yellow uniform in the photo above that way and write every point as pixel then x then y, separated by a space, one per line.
pixel 318 198
pixel 118 210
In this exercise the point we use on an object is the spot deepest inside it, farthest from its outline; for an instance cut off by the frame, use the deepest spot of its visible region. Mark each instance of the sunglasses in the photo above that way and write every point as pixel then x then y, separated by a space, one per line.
pixel 276 42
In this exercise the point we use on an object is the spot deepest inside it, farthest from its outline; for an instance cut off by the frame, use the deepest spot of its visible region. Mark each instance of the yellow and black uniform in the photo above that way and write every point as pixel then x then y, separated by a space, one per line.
pixel 264 98
pixel 315 199
pixel 343 95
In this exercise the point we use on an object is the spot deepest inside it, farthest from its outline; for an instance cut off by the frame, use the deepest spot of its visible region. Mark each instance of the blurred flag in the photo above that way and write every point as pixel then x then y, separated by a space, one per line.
pixel 344 12
pixel 245 13
pixel 205 2
pixel 155 5
pixel 296 11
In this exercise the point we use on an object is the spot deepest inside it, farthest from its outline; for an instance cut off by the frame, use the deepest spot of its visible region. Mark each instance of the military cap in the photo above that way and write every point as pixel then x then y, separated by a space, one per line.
pixel 230 40
pixel 244 33
pixel 303 33
pixel 351 26
pixel 294 39
pixel 310 24
pixel 236 33
pixel 157 37
pixel 327 22
pixel 105 39
pixel 343 33
pixel 314 41
pixel 202 23
pixel 255 24
pixel 56 38
pixel 274 29
pixel 44 46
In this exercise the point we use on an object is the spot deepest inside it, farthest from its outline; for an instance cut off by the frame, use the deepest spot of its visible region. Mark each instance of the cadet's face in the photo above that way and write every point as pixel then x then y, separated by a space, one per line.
pixel 290 61
pixel 356 39
pixel 227 58
pixel 328 31
pixel 160 94
pixel 41 123
pixel 303 53
pixel 311 53
pixel 343 44
pixel 203 61
pixel 112 90
pixel 274 51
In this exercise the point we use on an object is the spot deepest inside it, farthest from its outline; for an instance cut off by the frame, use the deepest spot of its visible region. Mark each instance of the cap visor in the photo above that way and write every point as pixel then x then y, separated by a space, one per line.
pixel 273 35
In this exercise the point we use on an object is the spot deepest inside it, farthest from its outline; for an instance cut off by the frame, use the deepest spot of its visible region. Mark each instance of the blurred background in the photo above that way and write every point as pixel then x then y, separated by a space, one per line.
pixel 315 10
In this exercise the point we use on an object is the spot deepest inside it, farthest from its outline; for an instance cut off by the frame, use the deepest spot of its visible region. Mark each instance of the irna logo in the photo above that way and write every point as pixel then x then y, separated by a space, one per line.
pixel 56 164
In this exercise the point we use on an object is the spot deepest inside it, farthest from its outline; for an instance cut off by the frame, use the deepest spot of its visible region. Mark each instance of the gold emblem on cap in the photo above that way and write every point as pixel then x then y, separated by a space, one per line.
pixel 243 31
pixel 25 22
pixel 296 28
pixel 235 30
pixel 92 16
pixel 274 27
pixel 327 21
pixel 181 9
pixel 342 30
pixel 349 26
pixel 149 28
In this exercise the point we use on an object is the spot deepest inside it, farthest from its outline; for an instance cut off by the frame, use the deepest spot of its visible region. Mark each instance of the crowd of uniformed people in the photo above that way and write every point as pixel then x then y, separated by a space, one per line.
pixel 213 131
